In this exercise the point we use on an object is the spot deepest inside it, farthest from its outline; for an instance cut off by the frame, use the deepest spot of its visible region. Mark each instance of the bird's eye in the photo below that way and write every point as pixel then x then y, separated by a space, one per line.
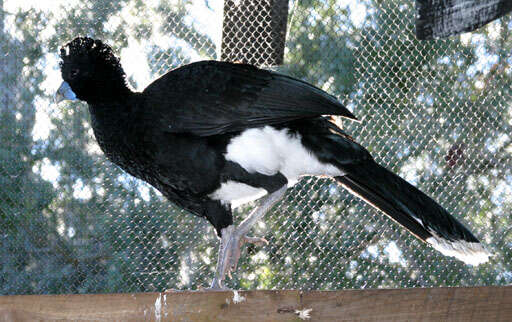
pixel 74 72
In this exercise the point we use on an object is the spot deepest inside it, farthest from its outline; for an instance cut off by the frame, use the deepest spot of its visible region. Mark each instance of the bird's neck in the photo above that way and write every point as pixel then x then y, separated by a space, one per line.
pixel 121 89
pixel 111 91
pixel 115 108
pixel 110 123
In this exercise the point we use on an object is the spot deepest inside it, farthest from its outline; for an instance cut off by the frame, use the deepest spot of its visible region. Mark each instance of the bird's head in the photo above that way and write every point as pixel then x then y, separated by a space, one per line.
pixel 91 72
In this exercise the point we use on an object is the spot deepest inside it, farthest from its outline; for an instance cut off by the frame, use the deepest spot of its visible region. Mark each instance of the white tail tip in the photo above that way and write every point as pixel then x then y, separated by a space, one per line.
pixel 468 252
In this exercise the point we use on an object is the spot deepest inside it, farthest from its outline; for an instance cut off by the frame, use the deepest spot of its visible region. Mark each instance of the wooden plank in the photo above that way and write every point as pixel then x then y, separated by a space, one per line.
pixel 429 304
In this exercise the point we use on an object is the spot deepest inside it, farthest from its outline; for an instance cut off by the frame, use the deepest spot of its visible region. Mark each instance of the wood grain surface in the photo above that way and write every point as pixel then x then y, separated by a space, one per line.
pixel 428 304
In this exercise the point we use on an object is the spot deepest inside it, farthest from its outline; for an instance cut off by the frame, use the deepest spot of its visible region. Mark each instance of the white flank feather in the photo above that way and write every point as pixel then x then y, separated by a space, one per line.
pixel 237 193
pixel 468 252
pixel 268 151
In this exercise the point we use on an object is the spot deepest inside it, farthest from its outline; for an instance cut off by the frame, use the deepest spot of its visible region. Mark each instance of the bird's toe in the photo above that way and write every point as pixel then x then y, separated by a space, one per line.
pixel 235 251
pixel 260 241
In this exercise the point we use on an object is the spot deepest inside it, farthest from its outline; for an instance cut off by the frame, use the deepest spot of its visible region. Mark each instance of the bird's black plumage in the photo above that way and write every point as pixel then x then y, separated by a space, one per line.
pixel 173 135
pixel 211 97
pixel 209 129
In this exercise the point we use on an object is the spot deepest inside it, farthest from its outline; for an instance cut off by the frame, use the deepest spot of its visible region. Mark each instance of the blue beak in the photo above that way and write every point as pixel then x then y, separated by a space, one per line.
pixel 64 93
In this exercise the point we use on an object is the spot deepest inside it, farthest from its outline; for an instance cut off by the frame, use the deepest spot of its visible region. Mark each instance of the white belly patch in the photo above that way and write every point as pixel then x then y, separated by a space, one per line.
pixel 237 193
pixel 269 151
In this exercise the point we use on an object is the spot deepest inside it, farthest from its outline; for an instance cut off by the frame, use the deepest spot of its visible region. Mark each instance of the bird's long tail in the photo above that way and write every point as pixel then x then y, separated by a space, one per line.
pixel 414 210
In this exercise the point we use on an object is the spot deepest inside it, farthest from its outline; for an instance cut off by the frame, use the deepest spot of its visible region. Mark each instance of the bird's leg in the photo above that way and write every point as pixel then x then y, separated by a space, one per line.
pixel 239 235
pixel 233 238
pixel 222 261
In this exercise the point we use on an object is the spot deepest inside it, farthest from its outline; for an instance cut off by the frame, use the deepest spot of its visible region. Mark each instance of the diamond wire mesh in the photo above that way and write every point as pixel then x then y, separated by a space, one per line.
pixel 435 112
pixel 254 31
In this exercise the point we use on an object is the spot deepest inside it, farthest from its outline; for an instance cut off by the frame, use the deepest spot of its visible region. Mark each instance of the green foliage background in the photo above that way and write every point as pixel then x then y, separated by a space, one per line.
pixel 91 228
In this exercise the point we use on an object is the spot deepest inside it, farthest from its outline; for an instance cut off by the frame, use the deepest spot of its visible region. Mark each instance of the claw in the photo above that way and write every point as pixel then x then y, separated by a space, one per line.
pixel 234 251
pixel 260 241
pixel 214 287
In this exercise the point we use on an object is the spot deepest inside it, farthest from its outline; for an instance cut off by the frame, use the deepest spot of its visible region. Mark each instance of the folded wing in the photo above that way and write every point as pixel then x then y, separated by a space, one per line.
pixel 210 97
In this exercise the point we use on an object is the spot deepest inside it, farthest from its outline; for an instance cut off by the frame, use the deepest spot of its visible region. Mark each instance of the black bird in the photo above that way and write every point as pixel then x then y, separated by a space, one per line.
pixel 444 18
pixel 211 135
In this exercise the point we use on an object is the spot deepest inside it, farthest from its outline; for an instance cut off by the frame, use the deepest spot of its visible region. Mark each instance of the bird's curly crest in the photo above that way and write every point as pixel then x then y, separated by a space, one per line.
pixel 92 48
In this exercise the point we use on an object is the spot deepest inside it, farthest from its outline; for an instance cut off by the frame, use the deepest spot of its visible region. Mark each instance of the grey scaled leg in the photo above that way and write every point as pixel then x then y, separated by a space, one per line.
pixel 233 238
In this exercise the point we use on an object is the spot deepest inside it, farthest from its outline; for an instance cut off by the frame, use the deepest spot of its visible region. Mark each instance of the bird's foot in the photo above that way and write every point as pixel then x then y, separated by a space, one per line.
pixel 229 253
pixel 232 239
pixel 216 286
pixel 236 245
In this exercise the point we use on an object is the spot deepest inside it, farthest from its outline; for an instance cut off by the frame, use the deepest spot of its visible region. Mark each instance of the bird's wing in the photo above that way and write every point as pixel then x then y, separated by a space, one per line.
pixel 439 19
pixel 210 97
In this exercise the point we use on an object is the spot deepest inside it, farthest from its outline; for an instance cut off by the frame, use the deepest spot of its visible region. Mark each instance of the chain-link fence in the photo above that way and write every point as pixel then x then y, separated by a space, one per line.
pixel 436 112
